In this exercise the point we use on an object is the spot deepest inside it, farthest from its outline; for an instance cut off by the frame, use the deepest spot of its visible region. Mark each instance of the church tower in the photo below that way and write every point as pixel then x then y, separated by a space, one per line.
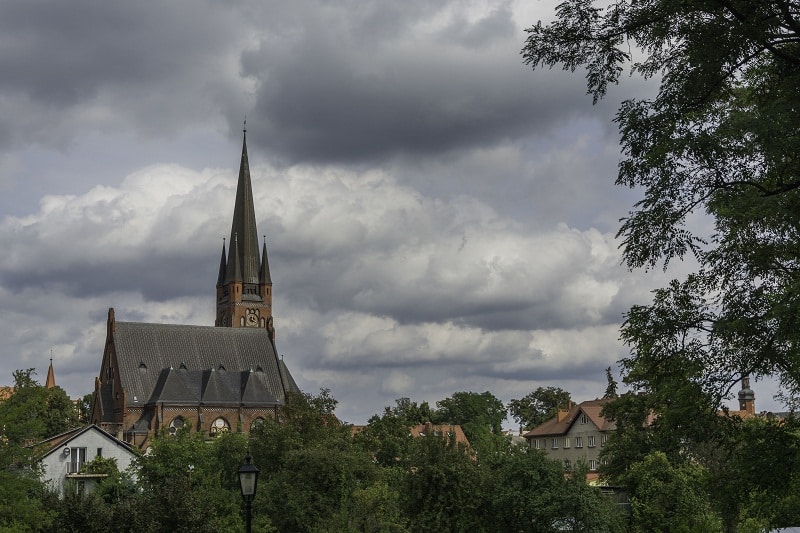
pixel 244 285
pixel 747 398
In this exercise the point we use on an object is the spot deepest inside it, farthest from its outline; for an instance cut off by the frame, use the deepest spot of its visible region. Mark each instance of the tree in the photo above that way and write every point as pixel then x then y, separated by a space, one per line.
pixel 189 484
pixel 666 497
pixel 445 489
pixel 611 388
pixel 34 412
pixel 387 438
pixel 720 137
pixel 538 406
pixel 85 408
pixel 480 415
pixel 412 413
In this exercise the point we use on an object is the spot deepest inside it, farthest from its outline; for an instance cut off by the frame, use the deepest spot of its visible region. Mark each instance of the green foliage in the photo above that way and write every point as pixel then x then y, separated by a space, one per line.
pixel 480 416
pixel 719 139
pixel 529 492
pixel 35 413
pixel 388 438
pixel 22 505
pixel 85 408
pixel 442 489
pixel 538 406
pixel 189 484
pixel 411 413
pixel 310 466
pixel 611 388
pixel 669 498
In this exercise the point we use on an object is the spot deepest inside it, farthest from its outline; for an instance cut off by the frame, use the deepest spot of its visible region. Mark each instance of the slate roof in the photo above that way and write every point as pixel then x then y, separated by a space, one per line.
pixel 554 426
pixel 192 364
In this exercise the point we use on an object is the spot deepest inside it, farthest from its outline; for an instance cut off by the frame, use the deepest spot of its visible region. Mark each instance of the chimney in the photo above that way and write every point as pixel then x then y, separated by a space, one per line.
pixel 562 414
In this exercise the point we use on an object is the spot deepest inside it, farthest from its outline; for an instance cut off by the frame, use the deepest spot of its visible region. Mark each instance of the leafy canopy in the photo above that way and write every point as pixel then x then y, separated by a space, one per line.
pixel 538 406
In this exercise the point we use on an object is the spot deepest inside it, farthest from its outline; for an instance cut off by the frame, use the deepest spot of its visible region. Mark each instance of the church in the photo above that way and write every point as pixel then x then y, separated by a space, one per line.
pixel 226 377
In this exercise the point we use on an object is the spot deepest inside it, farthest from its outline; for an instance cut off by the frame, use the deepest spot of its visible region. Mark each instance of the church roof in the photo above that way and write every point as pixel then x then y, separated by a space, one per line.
pixel 177 363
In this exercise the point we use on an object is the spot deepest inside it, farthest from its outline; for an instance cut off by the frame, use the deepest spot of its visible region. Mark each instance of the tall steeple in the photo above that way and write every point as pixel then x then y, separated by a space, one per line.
pixel 50 382
pixel 244 287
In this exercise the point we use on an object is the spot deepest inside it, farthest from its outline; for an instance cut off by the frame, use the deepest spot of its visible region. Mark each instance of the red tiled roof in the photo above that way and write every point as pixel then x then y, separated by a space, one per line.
pixel 559 425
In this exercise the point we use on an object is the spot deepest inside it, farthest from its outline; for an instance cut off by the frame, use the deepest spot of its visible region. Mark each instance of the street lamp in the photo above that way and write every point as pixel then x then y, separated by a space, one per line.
pixel 248 480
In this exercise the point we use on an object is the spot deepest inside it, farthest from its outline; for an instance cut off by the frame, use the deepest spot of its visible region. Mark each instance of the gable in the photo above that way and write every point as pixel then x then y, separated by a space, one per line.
pixel 84 437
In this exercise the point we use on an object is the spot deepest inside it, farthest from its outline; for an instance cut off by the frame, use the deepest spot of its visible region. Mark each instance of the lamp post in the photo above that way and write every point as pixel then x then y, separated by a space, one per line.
pixel 248 480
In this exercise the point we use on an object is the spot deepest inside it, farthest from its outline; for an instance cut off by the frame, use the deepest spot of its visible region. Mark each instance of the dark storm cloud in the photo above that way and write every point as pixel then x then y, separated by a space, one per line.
pixel 339 96
pixel 61 57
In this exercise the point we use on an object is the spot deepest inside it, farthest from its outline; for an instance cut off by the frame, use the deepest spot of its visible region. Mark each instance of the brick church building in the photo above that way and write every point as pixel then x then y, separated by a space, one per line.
pixel 225 377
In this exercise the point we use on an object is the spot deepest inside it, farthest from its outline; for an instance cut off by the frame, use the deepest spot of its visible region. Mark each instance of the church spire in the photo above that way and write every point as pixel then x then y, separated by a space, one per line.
pixel 244 235
pixel 50 382
pixel 244 287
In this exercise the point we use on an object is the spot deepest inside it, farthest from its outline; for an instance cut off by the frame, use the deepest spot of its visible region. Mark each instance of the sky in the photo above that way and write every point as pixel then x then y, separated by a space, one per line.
pixel 439 217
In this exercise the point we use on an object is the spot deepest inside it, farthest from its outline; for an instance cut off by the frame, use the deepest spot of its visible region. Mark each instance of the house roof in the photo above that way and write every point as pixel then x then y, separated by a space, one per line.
pixel 455 430
pixel 166 362
pixel 6 392
pixel 56 442
pixel 561 424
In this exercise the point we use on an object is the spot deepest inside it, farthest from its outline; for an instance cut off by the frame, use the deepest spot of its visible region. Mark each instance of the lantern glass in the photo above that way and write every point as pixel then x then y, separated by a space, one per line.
pixel 248 478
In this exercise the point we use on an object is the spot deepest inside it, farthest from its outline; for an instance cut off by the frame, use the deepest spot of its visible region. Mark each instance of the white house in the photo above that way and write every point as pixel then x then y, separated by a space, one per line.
pixel 66 455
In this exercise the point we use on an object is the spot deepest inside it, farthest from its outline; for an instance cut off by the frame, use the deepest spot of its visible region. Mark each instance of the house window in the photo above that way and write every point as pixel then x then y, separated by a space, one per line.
pixel 584 419
pixel 590 441
pixel 77 458
pixel 579 442
pixel 99 452
pixel 220 425
pixel 566 442
pixel 544 444
pixel 567 465
pixel 603 439
pixel 536 443
pixel 593 464
pixel 555 444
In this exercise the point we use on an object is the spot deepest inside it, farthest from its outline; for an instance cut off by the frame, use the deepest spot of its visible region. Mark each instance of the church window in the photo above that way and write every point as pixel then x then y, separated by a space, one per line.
pixel 220 425
pixel 177 423
pixel 258 422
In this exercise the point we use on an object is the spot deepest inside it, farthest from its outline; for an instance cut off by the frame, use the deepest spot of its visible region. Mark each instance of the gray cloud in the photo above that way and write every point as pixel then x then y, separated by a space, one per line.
pixel 439 218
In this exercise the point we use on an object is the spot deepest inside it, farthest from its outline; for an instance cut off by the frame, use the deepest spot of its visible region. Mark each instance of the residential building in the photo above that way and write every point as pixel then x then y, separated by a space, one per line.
pixel 67 455
pixel 226 377
pixel 577 433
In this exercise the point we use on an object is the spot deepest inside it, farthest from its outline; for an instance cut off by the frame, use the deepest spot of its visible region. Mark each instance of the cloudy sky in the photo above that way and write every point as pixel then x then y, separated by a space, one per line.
pixel 439 217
